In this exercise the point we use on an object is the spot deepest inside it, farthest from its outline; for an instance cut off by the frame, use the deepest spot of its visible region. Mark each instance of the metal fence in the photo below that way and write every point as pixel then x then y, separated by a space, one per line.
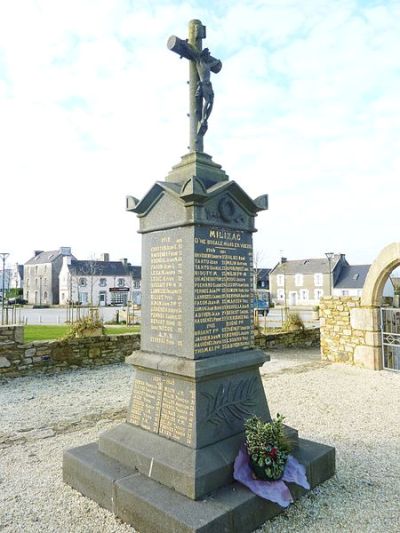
pixel 390 325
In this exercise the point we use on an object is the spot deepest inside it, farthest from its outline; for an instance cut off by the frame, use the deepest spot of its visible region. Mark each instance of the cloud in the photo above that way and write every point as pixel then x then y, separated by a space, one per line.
pixel 94 106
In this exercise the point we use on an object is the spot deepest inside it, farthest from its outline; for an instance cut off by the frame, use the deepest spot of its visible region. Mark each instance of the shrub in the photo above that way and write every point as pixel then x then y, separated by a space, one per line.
pixel 293 322
pixel 84 327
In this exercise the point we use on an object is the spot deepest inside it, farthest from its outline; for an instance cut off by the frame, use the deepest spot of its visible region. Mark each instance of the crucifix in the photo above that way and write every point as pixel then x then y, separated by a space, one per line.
pixel 201 94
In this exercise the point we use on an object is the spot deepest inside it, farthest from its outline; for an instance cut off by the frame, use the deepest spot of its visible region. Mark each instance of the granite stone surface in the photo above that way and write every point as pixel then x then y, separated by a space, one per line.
pixel 197 375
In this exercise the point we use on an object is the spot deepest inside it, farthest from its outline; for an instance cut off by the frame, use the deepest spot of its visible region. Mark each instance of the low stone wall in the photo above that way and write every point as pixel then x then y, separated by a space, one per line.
pixel 349 332
pixel 289 339
pixel 19 359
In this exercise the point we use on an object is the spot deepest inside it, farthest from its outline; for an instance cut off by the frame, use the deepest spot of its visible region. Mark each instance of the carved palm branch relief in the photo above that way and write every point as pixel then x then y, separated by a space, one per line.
pixel 234 401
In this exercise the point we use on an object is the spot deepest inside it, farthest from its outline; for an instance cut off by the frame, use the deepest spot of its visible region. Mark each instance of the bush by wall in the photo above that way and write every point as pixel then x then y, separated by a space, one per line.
pixel 19 359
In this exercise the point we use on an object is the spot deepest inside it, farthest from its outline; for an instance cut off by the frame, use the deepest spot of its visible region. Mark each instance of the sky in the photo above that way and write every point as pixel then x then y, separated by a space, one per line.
pixel 93 107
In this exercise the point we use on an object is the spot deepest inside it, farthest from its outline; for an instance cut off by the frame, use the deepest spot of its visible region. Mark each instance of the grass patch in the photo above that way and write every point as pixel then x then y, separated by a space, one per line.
pixel 118 330
pixel 49 333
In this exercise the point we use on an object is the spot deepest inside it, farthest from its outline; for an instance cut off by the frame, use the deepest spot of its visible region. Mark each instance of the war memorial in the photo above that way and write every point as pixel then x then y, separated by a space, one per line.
pixel 169 467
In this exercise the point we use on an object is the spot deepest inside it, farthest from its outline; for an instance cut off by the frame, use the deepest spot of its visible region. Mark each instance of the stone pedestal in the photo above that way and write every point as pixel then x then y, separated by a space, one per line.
pixel 169 468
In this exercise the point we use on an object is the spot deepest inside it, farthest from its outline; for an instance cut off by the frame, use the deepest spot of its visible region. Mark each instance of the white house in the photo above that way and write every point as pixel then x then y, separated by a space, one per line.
pixel 305 281
pixel 98 282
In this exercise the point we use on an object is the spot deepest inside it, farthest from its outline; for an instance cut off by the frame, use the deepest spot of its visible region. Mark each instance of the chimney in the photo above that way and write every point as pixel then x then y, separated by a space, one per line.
pixel 105 257
pixel 65 250
pixel 124 261
pixel 283 260
pixel 37 252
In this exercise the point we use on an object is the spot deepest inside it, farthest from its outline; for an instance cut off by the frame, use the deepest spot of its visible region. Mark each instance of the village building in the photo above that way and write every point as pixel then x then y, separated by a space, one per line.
pixel 41 276
pixel 306 281
pixel 99 282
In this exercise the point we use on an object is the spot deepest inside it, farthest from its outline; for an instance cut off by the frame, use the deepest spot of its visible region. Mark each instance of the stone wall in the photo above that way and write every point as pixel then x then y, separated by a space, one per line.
pixel 349 332
pixel 18 359
pixel 290 339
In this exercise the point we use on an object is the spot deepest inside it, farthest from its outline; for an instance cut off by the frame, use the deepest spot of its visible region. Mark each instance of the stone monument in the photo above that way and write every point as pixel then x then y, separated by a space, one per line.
pixel 169 468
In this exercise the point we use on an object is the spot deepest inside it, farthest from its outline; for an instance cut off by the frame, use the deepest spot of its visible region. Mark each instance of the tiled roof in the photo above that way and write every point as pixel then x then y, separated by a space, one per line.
pixel 306 266
pixel 44 257
pixel 263 273
pixel 98 268
pixel 352 277
pixel 136 271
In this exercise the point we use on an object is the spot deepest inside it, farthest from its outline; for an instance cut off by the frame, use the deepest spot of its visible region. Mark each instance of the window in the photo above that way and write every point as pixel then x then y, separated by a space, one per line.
pixel 345 292
pixel 121 282
pixel 63 296
pixel 83 297
pixel 298 280
pixel 119 298
pixel 103 282
pixel 281 294
pixel 304 294
pixel 82 282
pixel 318 294
pixel 136 284
pixel 280 280
pixel 318 279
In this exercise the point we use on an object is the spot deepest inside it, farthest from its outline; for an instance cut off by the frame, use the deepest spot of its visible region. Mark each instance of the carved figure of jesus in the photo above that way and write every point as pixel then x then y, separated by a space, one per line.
pixel 204 90
pixel 201 94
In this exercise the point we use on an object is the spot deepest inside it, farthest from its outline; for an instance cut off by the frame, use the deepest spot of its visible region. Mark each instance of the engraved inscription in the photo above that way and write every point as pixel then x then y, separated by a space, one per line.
pixel 166 292
pixel 177 411
pixel 146 401
pixel 223 284
pixel 163 405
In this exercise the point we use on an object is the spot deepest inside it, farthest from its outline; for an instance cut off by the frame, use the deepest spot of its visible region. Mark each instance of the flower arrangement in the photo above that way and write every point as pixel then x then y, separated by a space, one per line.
pixel 267 447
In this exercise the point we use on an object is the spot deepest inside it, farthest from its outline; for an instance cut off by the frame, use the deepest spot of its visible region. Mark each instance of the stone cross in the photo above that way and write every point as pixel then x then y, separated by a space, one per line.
pixel 201 95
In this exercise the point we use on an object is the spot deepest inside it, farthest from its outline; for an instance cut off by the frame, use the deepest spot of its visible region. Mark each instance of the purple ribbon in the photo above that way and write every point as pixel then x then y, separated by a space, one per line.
pixel 275 491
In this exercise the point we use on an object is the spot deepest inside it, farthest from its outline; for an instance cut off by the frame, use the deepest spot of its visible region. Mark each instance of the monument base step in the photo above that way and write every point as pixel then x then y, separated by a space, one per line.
pixel 152 507
pixel 192 472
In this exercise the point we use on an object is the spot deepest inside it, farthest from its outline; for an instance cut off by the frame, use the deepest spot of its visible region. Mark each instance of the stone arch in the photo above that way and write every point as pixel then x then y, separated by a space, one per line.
pixel 350 327
pixel 384 264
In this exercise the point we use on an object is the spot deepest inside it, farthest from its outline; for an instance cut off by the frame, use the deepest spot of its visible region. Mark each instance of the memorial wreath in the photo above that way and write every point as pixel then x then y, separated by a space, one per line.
pixel 264 462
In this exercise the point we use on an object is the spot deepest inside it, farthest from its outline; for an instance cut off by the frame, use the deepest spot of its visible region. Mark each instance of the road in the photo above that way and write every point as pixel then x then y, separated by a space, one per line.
pixel 59 315
pixel 55 315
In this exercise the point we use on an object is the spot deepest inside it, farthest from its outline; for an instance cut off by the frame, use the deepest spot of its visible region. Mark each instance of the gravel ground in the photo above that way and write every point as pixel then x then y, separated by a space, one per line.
pixel 357 411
